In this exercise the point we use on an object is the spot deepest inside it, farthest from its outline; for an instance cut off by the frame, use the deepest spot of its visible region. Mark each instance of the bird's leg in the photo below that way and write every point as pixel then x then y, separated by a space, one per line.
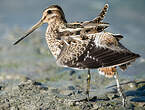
pixel 119 88
pixel 88 84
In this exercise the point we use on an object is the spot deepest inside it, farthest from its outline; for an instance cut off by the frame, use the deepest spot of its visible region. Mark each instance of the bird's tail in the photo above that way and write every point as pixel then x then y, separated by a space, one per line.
pixel 107 71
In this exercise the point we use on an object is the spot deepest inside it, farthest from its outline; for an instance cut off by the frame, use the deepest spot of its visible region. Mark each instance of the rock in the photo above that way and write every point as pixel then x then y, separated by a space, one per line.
pixel 79 77
pixel 1 87
pixel 133 85
pixel 141 104
pixel 72 72
pixel 71 88
pixel 95 106
pixel 112 96
pixel 30 94
pixel 66 92
pixel 54 90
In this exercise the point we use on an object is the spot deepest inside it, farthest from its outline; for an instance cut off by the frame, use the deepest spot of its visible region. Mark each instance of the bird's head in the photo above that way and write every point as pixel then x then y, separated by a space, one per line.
pixel 50 15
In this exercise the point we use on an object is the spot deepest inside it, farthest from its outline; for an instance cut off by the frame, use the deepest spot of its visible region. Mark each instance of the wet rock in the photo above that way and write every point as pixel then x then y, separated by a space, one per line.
pixel 112 96
pixel 66 92
pixel 79 77
pixel 72 72
pixel 1 87
pixel 37 96
pixel 26 95
pixel 95 106
pixel 71 88
pixel 141 104
pixel 54 90
pixel 132 85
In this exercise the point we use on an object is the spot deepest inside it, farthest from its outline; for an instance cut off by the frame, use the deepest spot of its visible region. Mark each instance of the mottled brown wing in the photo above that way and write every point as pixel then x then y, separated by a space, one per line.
pixel 77 28
pixel 95 24
pixel 99 50
pixel 99 18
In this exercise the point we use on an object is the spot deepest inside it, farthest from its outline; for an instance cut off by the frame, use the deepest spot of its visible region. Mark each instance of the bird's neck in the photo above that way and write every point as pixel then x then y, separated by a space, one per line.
pixel 52 37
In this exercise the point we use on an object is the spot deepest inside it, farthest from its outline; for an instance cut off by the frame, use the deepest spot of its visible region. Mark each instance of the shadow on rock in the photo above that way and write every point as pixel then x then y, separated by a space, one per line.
pixel 138 95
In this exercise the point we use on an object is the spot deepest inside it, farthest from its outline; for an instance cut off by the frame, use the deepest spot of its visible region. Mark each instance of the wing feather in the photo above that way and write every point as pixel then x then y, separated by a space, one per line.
pixel 96 52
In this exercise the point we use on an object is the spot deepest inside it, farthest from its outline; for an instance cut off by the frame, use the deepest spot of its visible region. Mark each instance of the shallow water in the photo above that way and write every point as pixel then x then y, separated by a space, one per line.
pixel 31 58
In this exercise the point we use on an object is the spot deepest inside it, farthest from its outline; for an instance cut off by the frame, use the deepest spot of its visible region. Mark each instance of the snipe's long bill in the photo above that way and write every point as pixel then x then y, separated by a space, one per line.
pixel 84 45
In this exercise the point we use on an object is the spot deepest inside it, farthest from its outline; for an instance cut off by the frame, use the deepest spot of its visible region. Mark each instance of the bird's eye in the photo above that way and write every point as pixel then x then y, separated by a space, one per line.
pixel 49 11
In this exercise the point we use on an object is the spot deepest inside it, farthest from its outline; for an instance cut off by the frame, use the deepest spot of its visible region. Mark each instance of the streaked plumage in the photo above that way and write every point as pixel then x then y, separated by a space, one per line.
pixel 84 45
pixel 94 51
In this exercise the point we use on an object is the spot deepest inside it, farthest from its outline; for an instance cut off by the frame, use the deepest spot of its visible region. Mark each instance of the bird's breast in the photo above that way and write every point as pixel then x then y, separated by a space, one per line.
pixel 54 44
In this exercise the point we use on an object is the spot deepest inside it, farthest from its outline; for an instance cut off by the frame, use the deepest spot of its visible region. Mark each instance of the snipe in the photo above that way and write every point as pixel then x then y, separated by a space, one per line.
pixel 84 45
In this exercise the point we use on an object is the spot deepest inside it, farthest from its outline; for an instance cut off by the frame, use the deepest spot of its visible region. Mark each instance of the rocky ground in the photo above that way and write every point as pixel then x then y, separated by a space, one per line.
pixel 32 95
